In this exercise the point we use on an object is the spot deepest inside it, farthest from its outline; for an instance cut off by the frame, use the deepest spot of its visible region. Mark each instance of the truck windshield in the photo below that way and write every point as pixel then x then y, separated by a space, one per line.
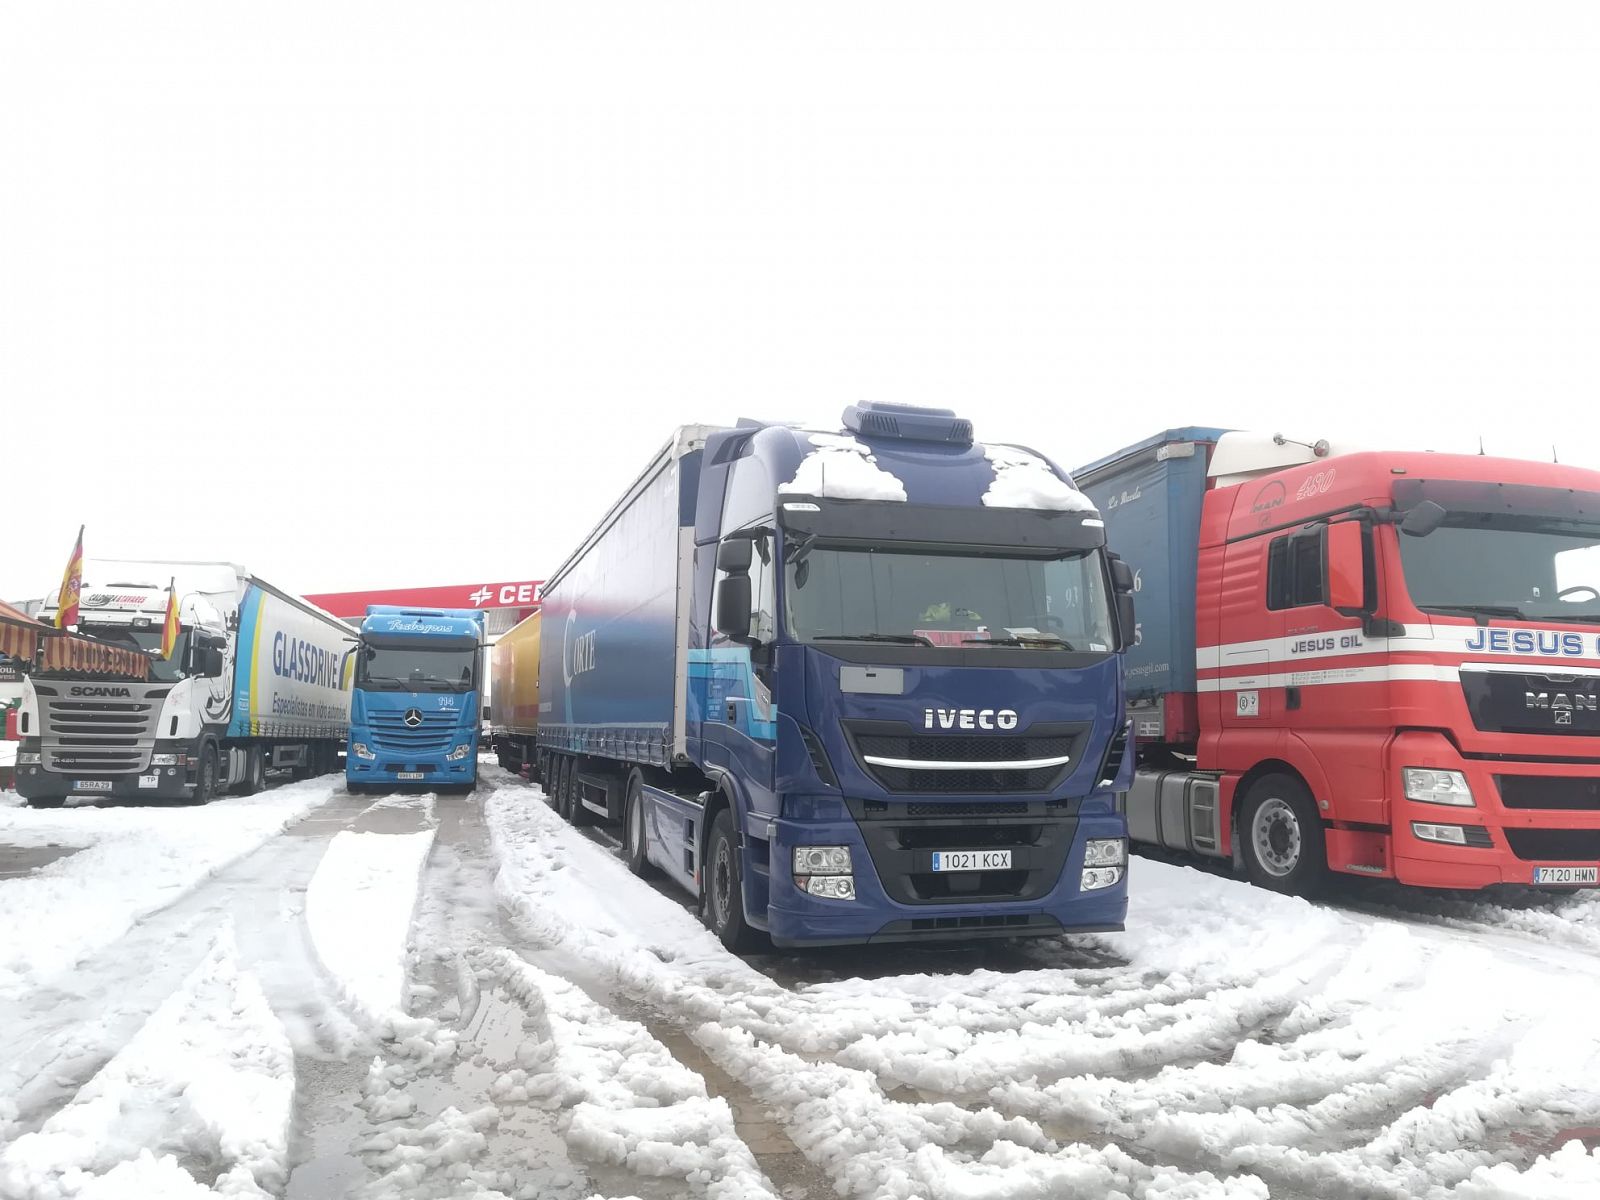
pixel 413 667
pixel 927 597
pixel 162 670
pixel 1503 565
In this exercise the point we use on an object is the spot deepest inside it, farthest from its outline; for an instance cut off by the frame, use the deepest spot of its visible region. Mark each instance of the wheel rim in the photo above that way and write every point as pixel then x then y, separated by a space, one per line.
pixel 1275 834
pixel 722 884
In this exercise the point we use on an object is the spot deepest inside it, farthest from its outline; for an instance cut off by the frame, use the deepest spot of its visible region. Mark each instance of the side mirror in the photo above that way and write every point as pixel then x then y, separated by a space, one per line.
pixel 1126 626
pixel 732 616
pixel 1121 574
pixel 1347 568
pixel 734 555
pixel 1423 519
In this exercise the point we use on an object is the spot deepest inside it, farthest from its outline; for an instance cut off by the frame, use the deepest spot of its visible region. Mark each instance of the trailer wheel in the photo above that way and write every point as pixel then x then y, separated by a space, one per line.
pixel 255 772
pixel 1281 836
pixel 205 784
pixel 563 788
pixel 634 838
pixel 723 884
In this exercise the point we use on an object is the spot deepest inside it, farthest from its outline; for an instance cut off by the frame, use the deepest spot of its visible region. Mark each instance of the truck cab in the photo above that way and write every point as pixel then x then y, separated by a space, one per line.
pixel 1395 662
pixel 414 716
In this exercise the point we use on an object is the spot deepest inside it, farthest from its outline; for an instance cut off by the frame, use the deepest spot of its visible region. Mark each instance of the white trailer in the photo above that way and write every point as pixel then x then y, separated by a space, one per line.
pixel 259 679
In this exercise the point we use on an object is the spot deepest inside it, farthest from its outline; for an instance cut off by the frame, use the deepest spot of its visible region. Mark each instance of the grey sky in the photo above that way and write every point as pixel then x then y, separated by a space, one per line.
pixel 362 295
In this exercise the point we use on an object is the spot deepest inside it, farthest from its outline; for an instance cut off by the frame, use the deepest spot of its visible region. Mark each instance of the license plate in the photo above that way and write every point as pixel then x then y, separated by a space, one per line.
pixel 408 775
pixel 972 860
pixel 1572 875
pixel 91 785
pixel 149 780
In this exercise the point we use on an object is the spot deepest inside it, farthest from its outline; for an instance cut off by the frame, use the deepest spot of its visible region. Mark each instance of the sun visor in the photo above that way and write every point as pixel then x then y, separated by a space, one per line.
pixel 1039 531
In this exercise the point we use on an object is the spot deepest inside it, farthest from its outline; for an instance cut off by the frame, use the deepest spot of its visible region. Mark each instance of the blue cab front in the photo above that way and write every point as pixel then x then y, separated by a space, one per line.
pixel 414 712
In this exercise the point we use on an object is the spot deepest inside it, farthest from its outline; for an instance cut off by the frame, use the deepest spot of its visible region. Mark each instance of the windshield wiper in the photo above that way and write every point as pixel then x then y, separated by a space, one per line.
pixel 1478 610
pixel 905 639
pixel 1035 639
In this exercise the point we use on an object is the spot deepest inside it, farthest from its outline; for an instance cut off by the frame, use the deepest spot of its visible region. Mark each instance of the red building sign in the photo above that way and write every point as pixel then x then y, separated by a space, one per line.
pixel 522 595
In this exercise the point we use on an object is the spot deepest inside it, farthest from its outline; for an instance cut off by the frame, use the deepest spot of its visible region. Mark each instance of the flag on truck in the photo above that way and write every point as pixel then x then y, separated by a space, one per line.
pixel 169 628
pixel 71 587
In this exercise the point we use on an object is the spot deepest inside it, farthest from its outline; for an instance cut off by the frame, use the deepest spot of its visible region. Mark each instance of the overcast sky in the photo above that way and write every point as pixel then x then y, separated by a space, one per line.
pixel 390 295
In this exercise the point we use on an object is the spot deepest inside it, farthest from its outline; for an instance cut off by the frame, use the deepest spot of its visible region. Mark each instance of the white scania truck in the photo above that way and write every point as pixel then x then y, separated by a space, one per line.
pixel 258 679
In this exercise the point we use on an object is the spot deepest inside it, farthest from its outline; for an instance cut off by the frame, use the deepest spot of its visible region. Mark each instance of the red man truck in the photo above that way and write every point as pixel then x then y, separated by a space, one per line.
pixel 1378 663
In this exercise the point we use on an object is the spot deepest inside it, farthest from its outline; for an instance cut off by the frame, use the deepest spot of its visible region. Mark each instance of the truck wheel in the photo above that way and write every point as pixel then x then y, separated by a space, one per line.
pixel 1281 836
pixel 724 889
pixel 634 837
pixel 46 801
pixel 255 772
pixel 562 788
pixel 205 784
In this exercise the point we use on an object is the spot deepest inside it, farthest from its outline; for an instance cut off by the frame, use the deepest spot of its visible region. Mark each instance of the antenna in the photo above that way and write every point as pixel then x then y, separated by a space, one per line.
pixel 1480 445
pixel 1554 456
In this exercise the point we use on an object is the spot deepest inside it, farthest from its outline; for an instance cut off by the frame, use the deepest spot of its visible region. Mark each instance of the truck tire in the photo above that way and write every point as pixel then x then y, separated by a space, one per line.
pixel 205 780
pixel 255 772
pixel 562 788
pixel 1281 837
pixel 634 837
pixel 46 801
pixel 723 901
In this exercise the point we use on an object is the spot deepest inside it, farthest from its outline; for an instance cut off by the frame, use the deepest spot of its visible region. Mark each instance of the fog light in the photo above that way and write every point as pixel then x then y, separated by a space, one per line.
pixel 1104 852
pixel 829 887
pixel 1095 878
pixel 359 749
pixel 172 770
pixel 459 753
pixel 1437 787
pixel 822 860
pixel 1454 835
pixel 163 760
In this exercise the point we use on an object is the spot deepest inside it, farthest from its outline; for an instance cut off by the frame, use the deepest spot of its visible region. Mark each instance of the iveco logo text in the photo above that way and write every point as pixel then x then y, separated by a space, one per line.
pixel 99 691
pixel 969 718
pixel 1561 701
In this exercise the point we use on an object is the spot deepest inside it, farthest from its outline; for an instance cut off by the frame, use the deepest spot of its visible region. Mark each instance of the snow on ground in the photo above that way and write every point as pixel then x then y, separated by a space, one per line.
pixel 133 861
pixel 844 469
pixel 1247 1042
pixel 205 1088
pixel 1024 480
pixel 358 910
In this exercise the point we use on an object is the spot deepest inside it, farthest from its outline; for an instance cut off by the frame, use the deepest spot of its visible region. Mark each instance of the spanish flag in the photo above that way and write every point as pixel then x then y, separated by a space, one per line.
pixel 169 629
pixel 71 587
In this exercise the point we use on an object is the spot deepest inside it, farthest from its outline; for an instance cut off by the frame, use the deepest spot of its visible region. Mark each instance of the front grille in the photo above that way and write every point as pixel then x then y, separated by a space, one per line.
pixel 1555 845
pixel 1549 791
pixel 99 737
pixel 878 739
pixel 901 841
pixel 435 734
pixel 1551 704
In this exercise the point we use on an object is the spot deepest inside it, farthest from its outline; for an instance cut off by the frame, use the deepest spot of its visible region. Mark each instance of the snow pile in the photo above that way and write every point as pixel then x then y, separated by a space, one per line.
pixel 135 861
pixel 1024 480
pixel 358 910
pixel 842 468
pixel 207 1084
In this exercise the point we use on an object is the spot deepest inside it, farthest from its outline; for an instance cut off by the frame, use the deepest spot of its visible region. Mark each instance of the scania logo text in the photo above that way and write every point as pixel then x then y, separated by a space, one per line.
pixel 99 691
pixel 969 718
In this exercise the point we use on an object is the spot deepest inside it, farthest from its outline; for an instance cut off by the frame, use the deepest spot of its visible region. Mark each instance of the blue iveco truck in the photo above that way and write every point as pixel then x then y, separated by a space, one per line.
pixel 849 686
pixel 414 713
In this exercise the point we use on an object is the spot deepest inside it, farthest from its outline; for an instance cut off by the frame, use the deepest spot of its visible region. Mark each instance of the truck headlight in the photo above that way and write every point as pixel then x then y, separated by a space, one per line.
pixel 459 753
pixel 359 749
pixel 1437 787
pixel 163 760
pixel 1105 852
pixel 27 757
pixel 1096 878
pixel 831 887
pixel 822 860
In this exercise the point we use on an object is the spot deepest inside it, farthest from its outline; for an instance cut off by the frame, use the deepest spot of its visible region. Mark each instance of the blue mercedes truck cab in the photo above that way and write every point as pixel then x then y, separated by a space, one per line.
pixel 414 710
pixel 849 686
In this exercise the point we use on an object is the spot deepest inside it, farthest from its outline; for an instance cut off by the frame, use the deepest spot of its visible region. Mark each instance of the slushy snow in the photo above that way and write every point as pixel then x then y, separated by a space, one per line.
pixel 842 468
pixel 1024 480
